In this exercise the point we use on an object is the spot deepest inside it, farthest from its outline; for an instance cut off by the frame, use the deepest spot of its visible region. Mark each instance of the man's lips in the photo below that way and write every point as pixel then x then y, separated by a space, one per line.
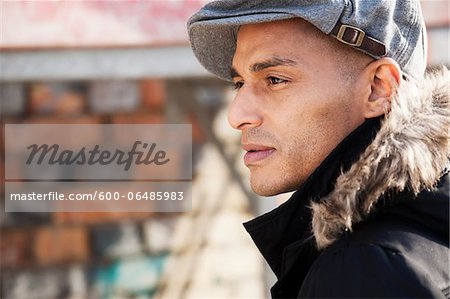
pixel 256 152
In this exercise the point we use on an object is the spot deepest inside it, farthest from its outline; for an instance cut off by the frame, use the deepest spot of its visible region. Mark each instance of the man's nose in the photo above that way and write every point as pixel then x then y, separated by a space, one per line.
pixel 244 112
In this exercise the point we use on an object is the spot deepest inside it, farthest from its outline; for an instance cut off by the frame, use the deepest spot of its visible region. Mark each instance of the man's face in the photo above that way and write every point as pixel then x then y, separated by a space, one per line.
pixel 292 106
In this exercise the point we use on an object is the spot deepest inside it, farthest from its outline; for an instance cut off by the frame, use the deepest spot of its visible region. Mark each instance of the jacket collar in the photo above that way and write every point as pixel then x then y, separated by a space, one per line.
pixel 408 152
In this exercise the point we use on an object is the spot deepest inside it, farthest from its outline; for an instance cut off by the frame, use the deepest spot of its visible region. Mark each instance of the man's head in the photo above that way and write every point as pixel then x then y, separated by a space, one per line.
pixel 294 104
pixel 300 90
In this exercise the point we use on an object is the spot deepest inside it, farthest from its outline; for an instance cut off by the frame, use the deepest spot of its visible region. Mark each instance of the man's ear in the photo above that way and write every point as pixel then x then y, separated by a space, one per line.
pixel 384 77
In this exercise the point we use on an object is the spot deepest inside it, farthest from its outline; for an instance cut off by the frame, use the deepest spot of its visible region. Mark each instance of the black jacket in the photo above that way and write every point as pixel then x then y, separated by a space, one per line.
pixel 373 219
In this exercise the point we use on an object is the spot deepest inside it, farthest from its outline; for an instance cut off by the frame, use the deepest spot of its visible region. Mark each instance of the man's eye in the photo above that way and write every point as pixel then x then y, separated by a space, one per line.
pixel 238 84
pixel 275 80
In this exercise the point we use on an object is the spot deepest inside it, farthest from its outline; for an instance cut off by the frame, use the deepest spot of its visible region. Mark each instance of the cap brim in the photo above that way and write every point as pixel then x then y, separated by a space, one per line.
pixel 214 41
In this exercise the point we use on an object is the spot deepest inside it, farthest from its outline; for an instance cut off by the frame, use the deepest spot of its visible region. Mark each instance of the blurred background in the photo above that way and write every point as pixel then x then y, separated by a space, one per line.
pixel 122 62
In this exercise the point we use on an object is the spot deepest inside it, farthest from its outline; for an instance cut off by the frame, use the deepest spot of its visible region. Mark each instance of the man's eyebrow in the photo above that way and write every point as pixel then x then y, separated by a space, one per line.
pixel 259 66
pixel 274 61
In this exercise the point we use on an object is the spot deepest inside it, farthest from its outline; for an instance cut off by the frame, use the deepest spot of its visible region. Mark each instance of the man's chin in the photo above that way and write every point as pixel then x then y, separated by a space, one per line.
pixel 269 189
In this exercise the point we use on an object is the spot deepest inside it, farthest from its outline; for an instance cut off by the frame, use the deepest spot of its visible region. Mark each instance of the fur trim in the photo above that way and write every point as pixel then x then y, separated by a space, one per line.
pixel 409 151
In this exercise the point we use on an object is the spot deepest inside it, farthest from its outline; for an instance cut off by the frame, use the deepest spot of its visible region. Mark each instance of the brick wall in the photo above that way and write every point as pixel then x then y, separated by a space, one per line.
pixel 95 254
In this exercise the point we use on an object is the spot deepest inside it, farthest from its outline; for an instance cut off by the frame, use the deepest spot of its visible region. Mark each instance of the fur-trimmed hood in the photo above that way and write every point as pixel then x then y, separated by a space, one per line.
pixel 409 152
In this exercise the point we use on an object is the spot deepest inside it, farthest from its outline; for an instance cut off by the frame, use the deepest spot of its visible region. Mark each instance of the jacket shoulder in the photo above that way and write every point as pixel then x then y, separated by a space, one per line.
pixel 367 270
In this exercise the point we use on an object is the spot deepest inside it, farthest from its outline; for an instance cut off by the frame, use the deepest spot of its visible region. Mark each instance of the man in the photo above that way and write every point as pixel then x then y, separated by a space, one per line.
pixel 332 102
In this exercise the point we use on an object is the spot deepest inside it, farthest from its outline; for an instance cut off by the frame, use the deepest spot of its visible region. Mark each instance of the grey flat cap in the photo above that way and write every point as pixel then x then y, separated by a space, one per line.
pixel 377 27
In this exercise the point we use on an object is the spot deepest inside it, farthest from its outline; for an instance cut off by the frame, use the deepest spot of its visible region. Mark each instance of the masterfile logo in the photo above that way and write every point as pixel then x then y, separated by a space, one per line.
pixel 99 168
pixel 98 152
pixel 140 153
